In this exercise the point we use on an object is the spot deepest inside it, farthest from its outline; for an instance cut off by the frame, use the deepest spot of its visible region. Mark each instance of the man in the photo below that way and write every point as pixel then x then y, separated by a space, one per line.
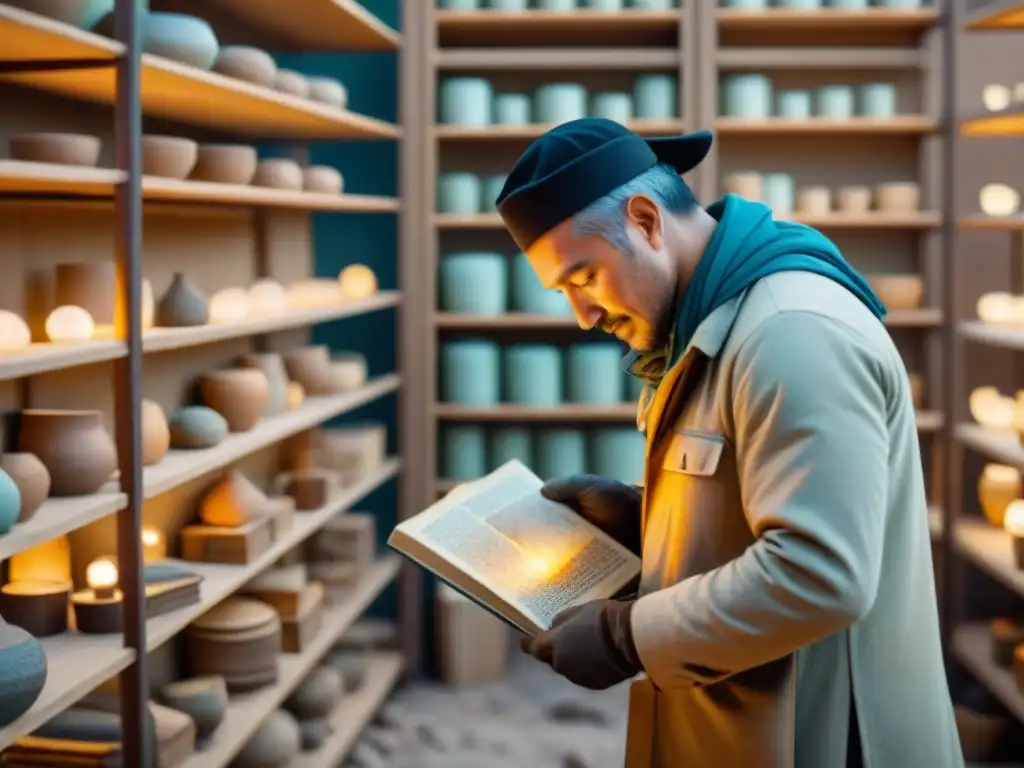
pixel 786 616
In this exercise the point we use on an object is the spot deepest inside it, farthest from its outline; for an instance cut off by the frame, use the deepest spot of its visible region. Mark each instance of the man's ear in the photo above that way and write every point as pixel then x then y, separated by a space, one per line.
pixel 645 215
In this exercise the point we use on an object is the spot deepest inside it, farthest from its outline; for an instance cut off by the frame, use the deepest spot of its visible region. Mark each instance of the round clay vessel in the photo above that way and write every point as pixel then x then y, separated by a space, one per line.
pixel 310 367
pixel 898 291
pixel 179 37
pixel 898 197
pixel 170 157
pixel 998 486
pixel 57 148
pixel 275 743
pixel 268 297
pixel 10 502
pixel 272 365
pixel 323 179
pixel 291 82
pixel 745 184
pixel 182 306
pixel 351 665
pixel 315 732
pixel 82 724
pixel 328 90
pixel 232 501
pixel 247 63
pixel 22 672
pixel 32 479
pixel 89 285
pixel 236 615
pixel 204 699
pixel 317 695
pixel 78 13
pixel 278 173
pixel 156 434
pixel 195 427
pixel 74 447
pixel 226 163
pixel 239 395
pixel 854 199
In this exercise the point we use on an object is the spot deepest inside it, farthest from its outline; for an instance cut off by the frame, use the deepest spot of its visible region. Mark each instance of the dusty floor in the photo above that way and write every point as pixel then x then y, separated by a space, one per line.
pixel 534 720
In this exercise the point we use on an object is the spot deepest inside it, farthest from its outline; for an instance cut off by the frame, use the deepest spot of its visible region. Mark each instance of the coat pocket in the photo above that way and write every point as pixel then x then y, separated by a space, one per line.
pixel 693 453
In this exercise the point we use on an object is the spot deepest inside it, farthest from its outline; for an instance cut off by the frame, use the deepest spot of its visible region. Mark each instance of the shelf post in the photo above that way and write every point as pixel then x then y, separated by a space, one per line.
pixel 134 686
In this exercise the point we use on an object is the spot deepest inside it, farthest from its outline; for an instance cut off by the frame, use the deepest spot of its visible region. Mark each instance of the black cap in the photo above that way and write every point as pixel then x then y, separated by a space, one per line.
pixel 579 162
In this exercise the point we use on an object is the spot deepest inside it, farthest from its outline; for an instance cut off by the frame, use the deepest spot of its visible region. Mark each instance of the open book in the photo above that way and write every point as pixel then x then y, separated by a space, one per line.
pixel 513 552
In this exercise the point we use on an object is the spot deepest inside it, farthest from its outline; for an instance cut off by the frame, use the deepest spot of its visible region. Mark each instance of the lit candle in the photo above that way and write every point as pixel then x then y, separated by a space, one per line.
pixel 101 576
pixel 1013 523
pixel 70 324
pixel 154 547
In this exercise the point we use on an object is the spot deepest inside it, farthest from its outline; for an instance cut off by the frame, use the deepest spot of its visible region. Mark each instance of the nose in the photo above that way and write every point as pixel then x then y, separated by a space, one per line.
pixel 588 314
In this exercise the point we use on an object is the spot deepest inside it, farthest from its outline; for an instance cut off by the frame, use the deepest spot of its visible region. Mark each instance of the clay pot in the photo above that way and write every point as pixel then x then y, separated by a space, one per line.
pixel 898 291
pixel 275 743
pixel 10 502
pixel 322 179
pixel 196 427
pixel 32 479
pixel 814 201
pixel 182 306
pixel 247 63
pixel 170 157
pixel 89 285
pixel 204 699
pixel 57 148
pixel 310 367
pixel 278 173
pixel 317 695
pixel 997 487
pixel 273 368
pixel 22 672
pixel 854 199
pixel 293 83
pixel 348 372
pixel 74 447
pixel 268 297
pixel 225 163
pixel 78 13
pixel 328 90
pixel 232 501
pixel 746 184
pixel 156 434
pixel 898 197
pixel 239 395
pixel 179 37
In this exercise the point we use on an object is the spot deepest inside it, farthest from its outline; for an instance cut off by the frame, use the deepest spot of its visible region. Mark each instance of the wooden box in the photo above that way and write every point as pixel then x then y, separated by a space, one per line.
pixel 231 546
pixel 297 633
pixel 350 537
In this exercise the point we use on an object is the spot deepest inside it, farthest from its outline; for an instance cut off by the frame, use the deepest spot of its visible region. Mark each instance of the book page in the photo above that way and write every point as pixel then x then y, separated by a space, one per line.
pixel 535 554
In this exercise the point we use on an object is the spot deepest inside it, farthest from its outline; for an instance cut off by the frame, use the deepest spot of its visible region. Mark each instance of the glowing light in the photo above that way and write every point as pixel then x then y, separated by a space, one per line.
pixel 996 97
pixel 296 395
pixel 101 576
pixel 230 305
pixel 267 297
pixel 70 323
pixel 14 332
pixel 1013 522
pixel 997 308
pixel 999 200
pixel 357 282
pixel 153 545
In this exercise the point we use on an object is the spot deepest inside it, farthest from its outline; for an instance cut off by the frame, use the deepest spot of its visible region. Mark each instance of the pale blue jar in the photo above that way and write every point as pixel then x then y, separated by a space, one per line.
pixel 594 374
pixel 459 193
pixel 618 454
pixel 849 5
pixel 492 187
pixel 556 5
pixel 474 283
pixel 878 100
pixel 748 96
pixel 526 293
pixel 463 452
pixel 604 5
pixel 471 372
pixel 508 5
pixel 746 5
pixel 836 102
pixel 794 105
pixel 613 106
pixel 779 192
pixel 533 375
pixel 560 102
pixel 459 5
pixel 803 5
pixel 652 5
pixel 512 109
pixel 655 97
pixel 466 101
pixel 508 443
pixel 560 453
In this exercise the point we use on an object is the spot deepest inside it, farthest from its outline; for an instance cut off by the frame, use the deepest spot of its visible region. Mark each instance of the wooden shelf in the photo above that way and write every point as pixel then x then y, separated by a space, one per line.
pixel 40 358
pixel 221 581
pixel 972 647
pixel 75 665
pixel 1003 447
pixel 59 516
pixel 1006 124
pixel 994 335
pixel 834 57
pixel 867 20
pixel 921 220
pixel 179 467
pixel 912 125
pixel 543 59
pixel 176 91
pixel 995 16
pixel 981 221
pixel 45 178
pixel 246 712
pixel 990 549
pixel 529 132
pixel 355 712
pixel 538 27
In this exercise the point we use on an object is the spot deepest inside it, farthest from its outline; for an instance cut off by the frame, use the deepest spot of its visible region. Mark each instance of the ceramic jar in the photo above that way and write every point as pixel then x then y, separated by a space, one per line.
pixel 278 173
pixel 204 699
pixel 747 96
pixel 10 502
pixel 170 157
pixel 997 487
pixel 558 103
pixel 466 101
pixel 311 367
pixel 508 443
pixel 183 305
pixel 561 452
pixel 793 105
pixel 779 193
pixel 470 372
pixel 247 63
pixel 613 106
pixel 74 447
pixel 89 285
pixel 878 100
pixel 293 83
pixel 32 479
pixel 195 427
pixel 329 91
pixel 182 38
pixel 22 672
pixel 317 695
pixel 474 283
pixel 276 742
pixel 225 163
pixel 459 194
pixel 619 454
pixel 854 199
pixel 592 374
pixel 272 366
pixel 655 97
pixel 323 179
pixel 533 375
pixel 898 291
pixel 746 184
pixel 512 109
pixel 898 197
pixel 814 201
pixel 239 395
pixel 156 434
pixel 836 102
pixel 463 451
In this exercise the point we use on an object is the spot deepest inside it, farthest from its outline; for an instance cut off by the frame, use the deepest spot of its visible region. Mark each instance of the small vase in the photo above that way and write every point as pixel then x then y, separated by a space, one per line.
pixel 317 695
pixel 22 672
pixel 156 434
pixel 204 699
pixel 276 742
pixel 182 306
pixel 10 502
pixel 239 395
pixel 272 365
pixel 32 479
pixel 195 427
pixel 74 447
pixel 232 501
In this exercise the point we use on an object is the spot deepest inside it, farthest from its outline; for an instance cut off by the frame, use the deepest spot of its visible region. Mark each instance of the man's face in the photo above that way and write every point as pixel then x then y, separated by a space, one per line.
pixel 628 294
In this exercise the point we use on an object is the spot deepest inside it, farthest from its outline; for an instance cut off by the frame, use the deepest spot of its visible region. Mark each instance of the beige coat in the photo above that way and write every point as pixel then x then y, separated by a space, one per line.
pixel 787 558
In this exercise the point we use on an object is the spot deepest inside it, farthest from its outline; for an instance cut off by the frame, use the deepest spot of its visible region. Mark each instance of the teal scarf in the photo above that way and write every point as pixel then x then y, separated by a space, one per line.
pixel 748 244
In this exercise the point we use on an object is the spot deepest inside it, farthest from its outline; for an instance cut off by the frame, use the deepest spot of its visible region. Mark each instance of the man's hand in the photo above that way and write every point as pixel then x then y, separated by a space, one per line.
pixel 590 645
pixel 612 506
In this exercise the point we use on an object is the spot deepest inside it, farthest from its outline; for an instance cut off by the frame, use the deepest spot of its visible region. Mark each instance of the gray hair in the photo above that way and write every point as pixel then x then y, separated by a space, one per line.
pixel 605 218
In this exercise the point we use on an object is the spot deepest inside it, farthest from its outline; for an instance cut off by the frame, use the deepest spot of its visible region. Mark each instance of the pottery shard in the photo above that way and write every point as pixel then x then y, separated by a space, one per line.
pixel 574 712
pixel 232 501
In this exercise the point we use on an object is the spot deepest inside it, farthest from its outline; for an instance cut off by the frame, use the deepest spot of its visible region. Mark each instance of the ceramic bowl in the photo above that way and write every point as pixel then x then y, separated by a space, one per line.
pixel 898 197
pixel 323 179
pixel 57 148
pixel 204 699
pixel 854 199
pixel 247 63
pixel 180 37
pixel 170 157
pixel 328 90
pixel 226 163
pixel 293 83
pixel 83 14
pixel 278 173
pixel 898 291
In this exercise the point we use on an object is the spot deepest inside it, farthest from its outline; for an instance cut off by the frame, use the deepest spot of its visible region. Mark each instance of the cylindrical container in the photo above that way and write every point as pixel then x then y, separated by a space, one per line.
pixel 849 5
pixel 746 184
pixel 652 5
pixel 459 193
pixel 533 375
pixel 618 454
pixel 89 285
pixel 902 4
pixel 898 197
pixel 746 5
pixel 466 101
pixel 508 5
pixel 458 5
pixel 604 5
pixel 855 198
pixel 878 100
pixel 512 109
pixel 556 5
pixel 793 105
pixel 594 374
pixel 613 106
pixel 802 5
pixel 463 452
pixel 560 452
pixel 474 283
pixel 814 201
pixel 471 372
pixel 655 97
pixel 508 443
pixel 835 102
pixel 748 96
pixel 779 193
pixel 492 187
pixel 560 102
pixel 528 295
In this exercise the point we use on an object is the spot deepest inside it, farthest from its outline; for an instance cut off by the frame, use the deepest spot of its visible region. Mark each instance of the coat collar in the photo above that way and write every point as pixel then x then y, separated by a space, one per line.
pixel 713 331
